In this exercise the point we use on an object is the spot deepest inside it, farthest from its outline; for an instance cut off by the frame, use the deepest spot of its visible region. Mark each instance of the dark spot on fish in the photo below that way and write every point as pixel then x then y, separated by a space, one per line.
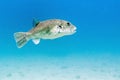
pixel 60 26
pixel 68 23
pixel 36 23
pixel 47 30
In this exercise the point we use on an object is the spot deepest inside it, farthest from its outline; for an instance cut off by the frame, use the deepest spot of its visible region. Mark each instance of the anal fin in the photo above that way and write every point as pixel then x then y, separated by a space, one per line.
pixel 36 41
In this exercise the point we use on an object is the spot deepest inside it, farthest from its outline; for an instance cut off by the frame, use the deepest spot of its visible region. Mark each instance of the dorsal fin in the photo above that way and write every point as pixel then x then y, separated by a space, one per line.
pixel 35 22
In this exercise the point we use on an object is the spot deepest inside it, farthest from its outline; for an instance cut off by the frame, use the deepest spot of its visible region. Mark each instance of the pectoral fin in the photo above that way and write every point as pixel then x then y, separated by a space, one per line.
pixel 36 41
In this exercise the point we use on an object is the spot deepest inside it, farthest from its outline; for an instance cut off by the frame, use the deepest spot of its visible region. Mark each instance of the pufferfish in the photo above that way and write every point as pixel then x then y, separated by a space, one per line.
pixel 48 29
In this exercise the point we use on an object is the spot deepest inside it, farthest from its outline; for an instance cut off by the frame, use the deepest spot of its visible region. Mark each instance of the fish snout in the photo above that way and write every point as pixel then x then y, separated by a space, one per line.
pixel 73 29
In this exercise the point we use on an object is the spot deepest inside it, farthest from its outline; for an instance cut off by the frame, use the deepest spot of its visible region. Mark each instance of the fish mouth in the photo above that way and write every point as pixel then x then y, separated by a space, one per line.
pixel 74 30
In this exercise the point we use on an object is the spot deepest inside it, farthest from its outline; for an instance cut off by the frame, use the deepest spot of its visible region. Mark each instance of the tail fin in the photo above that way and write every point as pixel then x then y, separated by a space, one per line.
pixel 21 39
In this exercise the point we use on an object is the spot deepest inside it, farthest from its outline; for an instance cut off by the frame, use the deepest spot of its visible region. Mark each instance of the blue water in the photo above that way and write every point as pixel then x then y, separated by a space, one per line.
pixel 92 53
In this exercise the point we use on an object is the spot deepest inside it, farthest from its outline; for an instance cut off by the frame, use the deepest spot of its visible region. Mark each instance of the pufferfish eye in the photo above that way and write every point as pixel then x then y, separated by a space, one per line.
pixel 68 23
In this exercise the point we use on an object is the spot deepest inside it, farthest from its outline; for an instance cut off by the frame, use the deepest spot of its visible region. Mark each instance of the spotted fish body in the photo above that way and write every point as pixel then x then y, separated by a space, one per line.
pixel 49 29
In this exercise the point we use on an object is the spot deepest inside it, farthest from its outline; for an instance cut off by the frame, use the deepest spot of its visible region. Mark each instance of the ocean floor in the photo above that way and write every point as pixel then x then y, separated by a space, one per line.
pixel 71 67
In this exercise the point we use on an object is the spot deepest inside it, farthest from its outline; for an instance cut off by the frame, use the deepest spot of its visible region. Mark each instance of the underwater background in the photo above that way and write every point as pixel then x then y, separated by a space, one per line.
pixel 92 53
